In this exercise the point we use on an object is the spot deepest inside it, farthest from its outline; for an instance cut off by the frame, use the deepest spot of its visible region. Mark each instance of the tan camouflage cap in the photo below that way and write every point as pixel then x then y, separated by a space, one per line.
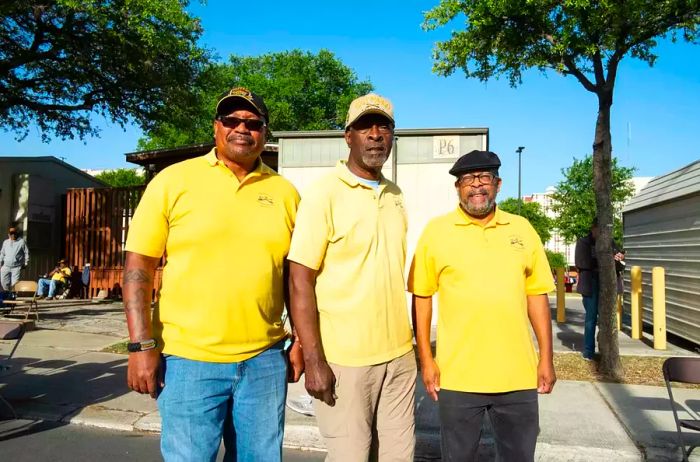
pixel 369 104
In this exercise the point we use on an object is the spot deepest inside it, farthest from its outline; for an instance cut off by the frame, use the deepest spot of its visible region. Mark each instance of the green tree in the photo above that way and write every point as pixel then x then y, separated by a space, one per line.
pixel 555 259
pixel 533 213
pixel 122 177
pixel 574 199
pixel 302 90
pixel 585 39
pixel 61 61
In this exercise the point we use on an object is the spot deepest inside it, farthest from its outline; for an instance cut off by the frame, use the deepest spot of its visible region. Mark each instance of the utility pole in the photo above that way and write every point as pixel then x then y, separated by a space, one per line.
pixel 520 166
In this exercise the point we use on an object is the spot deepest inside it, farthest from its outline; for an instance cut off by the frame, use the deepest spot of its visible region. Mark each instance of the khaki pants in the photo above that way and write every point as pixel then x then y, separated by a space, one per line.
pixel 373 416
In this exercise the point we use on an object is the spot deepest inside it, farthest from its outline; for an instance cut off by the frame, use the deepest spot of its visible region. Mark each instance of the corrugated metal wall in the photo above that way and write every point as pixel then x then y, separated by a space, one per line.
pixel 662 228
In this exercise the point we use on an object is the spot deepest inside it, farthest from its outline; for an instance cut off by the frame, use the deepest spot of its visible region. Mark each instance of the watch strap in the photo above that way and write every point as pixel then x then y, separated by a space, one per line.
pixel 143 345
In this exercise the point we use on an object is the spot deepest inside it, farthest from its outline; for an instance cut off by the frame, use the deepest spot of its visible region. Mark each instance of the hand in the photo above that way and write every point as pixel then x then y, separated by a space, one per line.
pixel 295 366
pixel 142 372
pixel 546 377
pixel 431 377
pixel 320 381
pixel 619 256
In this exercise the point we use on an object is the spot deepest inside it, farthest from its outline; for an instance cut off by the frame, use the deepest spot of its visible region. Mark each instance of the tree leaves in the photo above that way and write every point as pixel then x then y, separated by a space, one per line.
pixel 122 177
pixel 302 90
pixel 63 60
pixel 533 213
pixel 503 38
pixel 574 199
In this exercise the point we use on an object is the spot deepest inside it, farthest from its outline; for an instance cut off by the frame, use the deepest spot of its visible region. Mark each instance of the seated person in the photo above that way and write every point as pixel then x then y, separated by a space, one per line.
pixel 54 281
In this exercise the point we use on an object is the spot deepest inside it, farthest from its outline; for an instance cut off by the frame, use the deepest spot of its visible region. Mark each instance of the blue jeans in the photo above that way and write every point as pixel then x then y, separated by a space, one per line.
pixel 590 303
pixel 51 284
pixel 242 402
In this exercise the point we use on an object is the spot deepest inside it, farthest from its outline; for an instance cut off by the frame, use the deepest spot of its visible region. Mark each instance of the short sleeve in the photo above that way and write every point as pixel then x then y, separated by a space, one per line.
pixel 311 231
pixel 148 230
pixel 539 278
pixel 422 277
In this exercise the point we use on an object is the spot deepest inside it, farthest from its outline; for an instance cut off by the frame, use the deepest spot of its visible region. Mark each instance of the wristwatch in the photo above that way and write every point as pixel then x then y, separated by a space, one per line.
pixel 143 345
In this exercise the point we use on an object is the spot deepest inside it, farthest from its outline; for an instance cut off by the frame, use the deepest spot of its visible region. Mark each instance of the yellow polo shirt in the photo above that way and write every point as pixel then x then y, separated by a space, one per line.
pixel 225 241
pixel 355 237
pixel 482 276
pixel 62 274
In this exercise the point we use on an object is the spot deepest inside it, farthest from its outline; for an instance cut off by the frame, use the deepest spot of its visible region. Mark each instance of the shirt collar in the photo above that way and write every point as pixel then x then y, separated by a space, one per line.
pixel 260 168
pixel 461 218
pixel 343 172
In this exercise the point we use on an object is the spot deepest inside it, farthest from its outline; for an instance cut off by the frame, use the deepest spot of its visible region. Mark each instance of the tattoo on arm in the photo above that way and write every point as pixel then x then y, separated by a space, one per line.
pixel 137 276
pixel 137 302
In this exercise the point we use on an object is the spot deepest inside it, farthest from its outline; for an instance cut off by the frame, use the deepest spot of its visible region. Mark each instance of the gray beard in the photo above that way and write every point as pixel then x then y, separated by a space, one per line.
pixel 478 212
pixel 374 161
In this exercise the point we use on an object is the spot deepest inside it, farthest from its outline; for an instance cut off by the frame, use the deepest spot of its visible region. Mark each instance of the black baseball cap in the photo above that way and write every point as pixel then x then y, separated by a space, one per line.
pixel 237 95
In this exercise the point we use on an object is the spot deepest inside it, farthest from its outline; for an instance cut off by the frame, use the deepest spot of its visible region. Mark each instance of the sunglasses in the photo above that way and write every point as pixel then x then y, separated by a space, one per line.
pixel 254 125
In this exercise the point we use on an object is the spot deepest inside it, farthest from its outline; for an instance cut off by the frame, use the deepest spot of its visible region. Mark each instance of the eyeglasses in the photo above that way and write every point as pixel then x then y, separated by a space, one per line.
pixel 484 178
pixel 254 125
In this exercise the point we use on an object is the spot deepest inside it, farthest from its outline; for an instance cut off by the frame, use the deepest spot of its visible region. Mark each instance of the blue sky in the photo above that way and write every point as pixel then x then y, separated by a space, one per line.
pixel 655 115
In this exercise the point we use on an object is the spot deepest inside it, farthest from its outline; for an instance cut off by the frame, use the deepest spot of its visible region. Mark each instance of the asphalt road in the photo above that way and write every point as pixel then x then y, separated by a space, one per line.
pixel 24 440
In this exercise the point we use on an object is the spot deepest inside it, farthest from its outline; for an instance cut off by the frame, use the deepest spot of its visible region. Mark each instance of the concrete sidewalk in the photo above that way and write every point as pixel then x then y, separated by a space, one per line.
pixel 60 374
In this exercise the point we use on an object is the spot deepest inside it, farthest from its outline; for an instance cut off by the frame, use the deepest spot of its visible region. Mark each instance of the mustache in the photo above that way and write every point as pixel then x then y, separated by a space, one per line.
pixel 239 136
pixel 477 191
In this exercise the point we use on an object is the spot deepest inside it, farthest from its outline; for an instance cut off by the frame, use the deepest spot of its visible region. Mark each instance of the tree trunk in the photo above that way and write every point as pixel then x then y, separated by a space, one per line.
pixel 602 179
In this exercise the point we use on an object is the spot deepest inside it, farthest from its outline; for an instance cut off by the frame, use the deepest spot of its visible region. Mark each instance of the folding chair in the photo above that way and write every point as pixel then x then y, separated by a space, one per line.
pixel 10 330
pixel 26 295
pixel 685 370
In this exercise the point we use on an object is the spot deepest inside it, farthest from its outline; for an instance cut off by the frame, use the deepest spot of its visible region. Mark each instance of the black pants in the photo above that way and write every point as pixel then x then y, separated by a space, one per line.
pixel 514 418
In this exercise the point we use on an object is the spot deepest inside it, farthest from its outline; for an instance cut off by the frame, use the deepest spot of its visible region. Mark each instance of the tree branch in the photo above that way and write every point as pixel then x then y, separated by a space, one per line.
pixel 598 69
pixel 88 102
pixel 573 70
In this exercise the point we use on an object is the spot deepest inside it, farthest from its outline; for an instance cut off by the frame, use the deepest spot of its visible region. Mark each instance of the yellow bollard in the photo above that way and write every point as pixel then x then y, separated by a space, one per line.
pixel 561 301
pixel 636 301
pixel 658 290
pixel 619 312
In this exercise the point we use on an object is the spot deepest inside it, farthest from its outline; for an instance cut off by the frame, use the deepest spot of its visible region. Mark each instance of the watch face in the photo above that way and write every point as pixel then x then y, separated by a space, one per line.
pixel 133 347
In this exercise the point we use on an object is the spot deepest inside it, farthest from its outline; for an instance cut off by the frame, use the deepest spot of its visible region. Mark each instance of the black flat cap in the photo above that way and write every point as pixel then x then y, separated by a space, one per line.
pixel 474 161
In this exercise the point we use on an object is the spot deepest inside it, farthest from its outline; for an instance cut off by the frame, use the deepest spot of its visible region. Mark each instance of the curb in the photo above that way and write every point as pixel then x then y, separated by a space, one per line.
pixel 307 437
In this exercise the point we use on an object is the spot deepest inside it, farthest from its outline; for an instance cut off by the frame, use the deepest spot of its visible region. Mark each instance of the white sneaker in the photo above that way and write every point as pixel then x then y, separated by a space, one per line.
pixel 303 404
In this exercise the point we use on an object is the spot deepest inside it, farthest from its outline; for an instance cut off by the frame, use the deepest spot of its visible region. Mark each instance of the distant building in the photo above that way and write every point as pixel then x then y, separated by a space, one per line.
pixel 556 242
pixel 32 196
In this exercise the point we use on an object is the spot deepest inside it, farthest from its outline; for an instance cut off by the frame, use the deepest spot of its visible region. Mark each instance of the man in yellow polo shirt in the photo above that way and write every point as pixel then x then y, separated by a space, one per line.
pixel 491 275
pixel 54 280
pixel 348 299
pixel 223 222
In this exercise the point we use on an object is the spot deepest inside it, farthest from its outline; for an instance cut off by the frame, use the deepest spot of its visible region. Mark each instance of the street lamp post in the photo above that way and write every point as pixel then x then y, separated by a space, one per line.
pixel 520 164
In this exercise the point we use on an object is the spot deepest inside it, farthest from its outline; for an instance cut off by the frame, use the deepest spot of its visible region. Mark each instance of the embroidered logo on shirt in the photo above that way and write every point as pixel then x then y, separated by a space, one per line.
pixel 516 242
pixel 266 200
pixel 398 202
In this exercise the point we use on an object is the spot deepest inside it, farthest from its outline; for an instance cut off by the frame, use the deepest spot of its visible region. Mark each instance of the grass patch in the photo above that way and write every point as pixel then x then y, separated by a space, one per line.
pixel 119 348
pixel 637 370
